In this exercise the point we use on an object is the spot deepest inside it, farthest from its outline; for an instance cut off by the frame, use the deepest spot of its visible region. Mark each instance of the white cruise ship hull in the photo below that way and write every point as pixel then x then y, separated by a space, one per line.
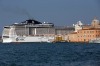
pixel 28 39
pixel 8 40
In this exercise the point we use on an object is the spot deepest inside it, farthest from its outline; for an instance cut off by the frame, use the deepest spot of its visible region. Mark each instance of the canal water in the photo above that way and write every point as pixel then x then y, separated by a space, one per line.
pixel 49 54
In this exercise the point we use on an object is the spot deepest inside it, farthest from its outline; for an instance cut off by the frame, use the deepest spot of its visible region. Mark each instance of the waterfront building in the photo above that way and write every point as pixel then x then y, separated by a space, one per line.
pixel 87 33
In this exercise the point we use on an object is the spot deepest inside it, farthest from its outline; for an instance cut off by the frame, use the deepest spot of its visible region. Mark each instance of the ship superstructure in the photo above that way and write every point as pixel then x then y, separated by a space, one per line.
pixel 32 31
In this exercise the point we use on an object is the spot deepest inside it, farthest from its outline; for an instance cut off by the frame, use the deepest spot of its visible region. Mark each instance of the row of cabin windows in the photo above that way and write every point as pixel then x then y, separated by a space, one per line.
pixel 89 32
pixel 90 36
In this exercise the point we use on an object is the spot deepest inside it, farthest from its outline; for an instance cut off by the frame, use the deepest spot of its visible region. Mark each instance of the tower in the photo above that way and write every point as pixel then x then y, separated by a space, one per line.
pixel 95 22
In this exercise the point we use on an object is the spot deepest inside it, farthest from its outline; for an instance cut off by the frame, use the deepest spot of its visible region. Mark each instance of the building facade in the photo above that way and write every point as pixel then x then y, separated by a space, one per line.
pixel 87 33
pixel 84 35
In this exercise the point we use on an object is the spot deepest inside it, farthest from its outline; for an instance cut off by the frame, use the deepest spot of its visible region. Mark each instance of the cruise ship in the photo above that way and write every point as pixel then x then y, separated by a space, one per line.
pixel 28 31
pixel 32 31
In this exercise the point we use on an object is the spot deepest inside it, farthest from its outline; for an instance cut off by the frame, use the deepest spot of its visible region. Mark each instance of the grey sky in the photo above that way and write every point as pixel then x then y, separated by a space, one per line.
pixel 59 12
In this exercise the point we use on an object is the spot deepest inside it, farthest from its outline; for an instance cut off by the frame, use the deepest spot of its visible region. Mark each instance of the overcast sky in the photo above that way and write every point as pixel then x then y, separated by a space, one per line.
pixel 59 12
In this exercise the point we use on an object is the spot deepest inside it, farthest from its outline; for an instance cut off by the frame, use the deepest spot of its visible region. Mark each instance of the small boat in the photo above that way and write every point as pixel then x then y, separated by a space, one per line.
pixel 96 40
